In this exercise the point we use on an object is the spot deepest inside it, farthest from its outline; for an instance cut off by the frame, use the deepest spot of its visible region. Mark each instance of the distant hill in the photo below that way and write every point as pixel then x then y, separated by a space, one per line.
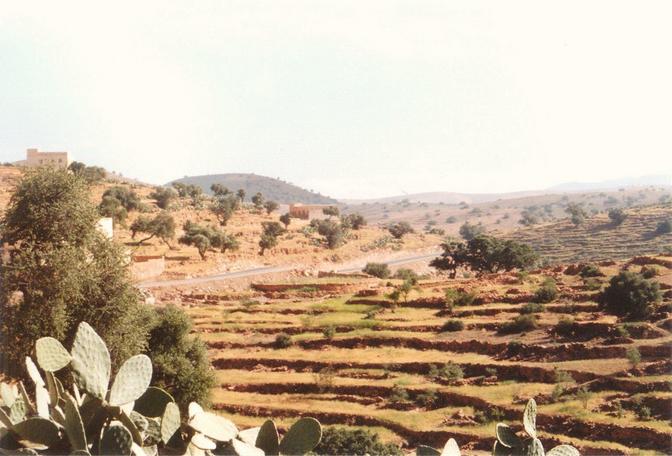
pixel 446 197
pixel 273 189
pixel 643 181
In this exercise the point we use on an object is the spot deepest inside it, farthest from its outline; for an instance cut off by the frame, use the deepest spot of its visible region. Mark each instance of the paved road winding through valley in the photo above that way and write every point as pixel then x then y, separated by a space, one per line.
pixel 268 270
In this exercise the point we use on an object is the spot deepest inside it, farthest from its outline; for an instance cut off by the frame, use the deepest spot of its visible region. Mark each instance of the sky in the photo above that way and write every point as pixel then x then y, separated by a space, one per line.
pixel 351 98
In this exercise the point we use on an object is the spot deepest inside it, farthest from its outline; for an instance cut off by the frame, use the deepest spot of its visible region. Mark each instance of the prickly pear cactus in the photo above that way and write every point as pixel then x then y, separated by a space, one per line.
pixel 530 418
pixel 302 437
pixel 563 450
pixel 91 361
pixel 131 381
pixel 268 439
pixel 507 437
pixel 116 441
pixel 214 426
pixel 51 355
pixel 170 422
pixel 74 427
pixel 38 431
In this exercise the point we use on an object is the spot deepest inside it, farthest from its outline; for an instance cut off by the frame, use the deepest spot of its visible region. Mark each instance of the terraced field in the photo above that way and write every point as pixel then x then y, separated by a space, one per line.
pixel 598 239
pixel 355 359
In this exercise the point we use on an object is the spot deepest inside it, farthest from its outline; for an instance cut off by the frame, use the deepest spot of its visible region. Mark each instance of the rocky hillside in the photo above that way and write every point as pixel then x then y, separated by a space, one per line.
pixel 273 189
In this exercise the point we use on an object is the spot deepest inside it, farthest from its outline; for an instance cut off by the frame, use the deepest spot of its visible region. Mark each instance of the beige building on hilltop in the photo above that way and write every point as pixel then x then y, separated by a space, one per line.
pixel 35 158
pixel 307 211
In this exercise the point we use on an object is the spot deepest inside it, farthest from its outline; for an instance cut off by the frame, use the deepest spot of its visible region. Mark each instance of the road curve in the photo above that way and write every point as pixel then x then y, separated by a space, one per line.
pixel 268 270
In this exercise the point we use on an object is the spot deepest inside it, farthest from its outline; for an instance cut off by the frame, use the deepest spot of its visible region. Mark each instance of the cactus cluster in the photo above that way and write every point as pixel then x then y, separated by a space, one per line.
pixel 508 442
pixel 128 417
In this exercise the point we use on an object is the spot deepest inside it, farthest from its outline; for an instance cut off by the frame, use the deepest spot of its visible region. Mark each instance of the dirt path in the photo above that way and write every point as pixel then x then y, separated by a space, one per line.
pixel 274 269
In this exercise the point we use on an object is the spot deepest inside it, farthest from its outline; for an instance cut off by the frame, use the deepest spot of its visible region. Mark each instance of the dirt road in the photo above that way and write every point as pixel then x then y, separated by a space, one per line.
pixel 270 270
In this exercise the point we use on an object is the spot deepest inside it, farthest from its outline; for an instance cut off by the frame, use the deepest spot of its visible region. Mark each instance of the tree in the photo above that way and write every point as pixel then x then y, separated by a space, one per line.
pixel 380 270
pixel 469 231
pixel 331 211
pixel 214 238
pixel 126 197
pixel 353 221
pixel 270 206
pixel 577 213
pixel 241 195
pixel 528 218
pixel 629 295
pixel 406 287
pixel 224 207
pixel 91 174
pixel 333 233
pixel 399 229
pixel 258 201
pixel 62 271
pixel 189 191
pixel 664 227
pixel 163 196
pixel 617 216
pixel 269 235
pixel 162 226
pixel 337 440
pixel 180 363
pixel 111 207
pixel 219 190
pixel 285 219
pixel 484 254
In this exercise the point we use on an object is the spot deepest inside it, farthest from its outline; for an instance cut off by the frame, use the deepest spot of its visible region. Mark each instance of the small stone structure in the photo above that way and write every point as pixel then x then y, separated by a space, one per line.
pixel 35 158
pixel 307 211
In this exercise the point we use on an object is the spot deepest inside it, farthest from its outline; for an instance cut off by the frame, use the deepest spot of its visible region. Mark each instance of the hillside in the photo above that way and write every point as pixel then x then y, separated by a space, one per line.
pixel 351 359
pixel 273 189
pixel 598 238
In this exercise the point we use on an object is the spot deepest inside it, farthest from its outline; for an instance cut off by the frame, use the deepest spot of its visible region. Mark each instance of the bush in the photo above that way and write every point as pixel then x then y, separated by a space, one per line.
pixel 590 270
pixel 522 323
pixel 634 356
pixel 592 284
pixel 565 327
pixel 459 298
pixel 343 441
pixel 407 275
pixel 532 307
pixel 427 398
pixel 547 292
pixel 282 340
pixel 617 216
pixel 664 227
pixel 449 372
pixel 649 272
pixel 329 332
pixel 470 231
pixel 180 360
pixel 629 295
pixel 399 229
pixel 453 325
pixel 333 232
pixel 380 270
pixel 398 395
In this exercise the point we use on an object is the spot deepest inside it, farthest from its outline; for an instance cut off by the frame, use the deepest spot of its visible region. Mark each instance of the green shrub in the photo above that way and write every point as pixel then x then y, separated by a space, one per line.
pixel 343 441
pixel 459 298
pixel 592 284
pixel 449 372
pixel 649 272
pixel 590 270
pixel 427 398
pixel 282 340
pixel 565 327
pixel 180 359
pixel 547 292
pixel 532 307
pixel 380 270
pixel 329 332
pixel 629 295
pixel 407 275
pixel 664 227
pixel 522 323
pixel 453 325
pixel 398 395
pixel 617 216
pixel 634 356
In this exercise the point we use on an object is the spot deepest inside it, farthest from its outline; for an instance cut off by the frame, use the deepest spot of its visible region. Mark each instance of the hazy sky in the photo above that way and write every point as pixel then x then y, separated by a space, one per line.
pixel 351 98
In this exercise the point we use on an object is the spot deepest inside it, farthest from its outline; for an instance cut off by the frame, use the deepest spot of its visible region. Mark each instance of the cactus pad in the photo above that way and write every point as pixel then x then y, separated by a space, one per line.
pixel 244 449
pixel 451 448
pixel 424 450
pixel 8 393
pixel 249 436
pixel 202 442
pixel 74 427
pixel 507 437
pixel 51 355
pixel 153 402
pixel 268 439
pixel 302 437
pixel 18 410
pixel 33 372
pixel 535 448
pixel 563 450
pixel 530 418
pixel 91 361
pixel 38 430
pixel 116 441
pixel 214 426
pixel 132 380
pixel 170 422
